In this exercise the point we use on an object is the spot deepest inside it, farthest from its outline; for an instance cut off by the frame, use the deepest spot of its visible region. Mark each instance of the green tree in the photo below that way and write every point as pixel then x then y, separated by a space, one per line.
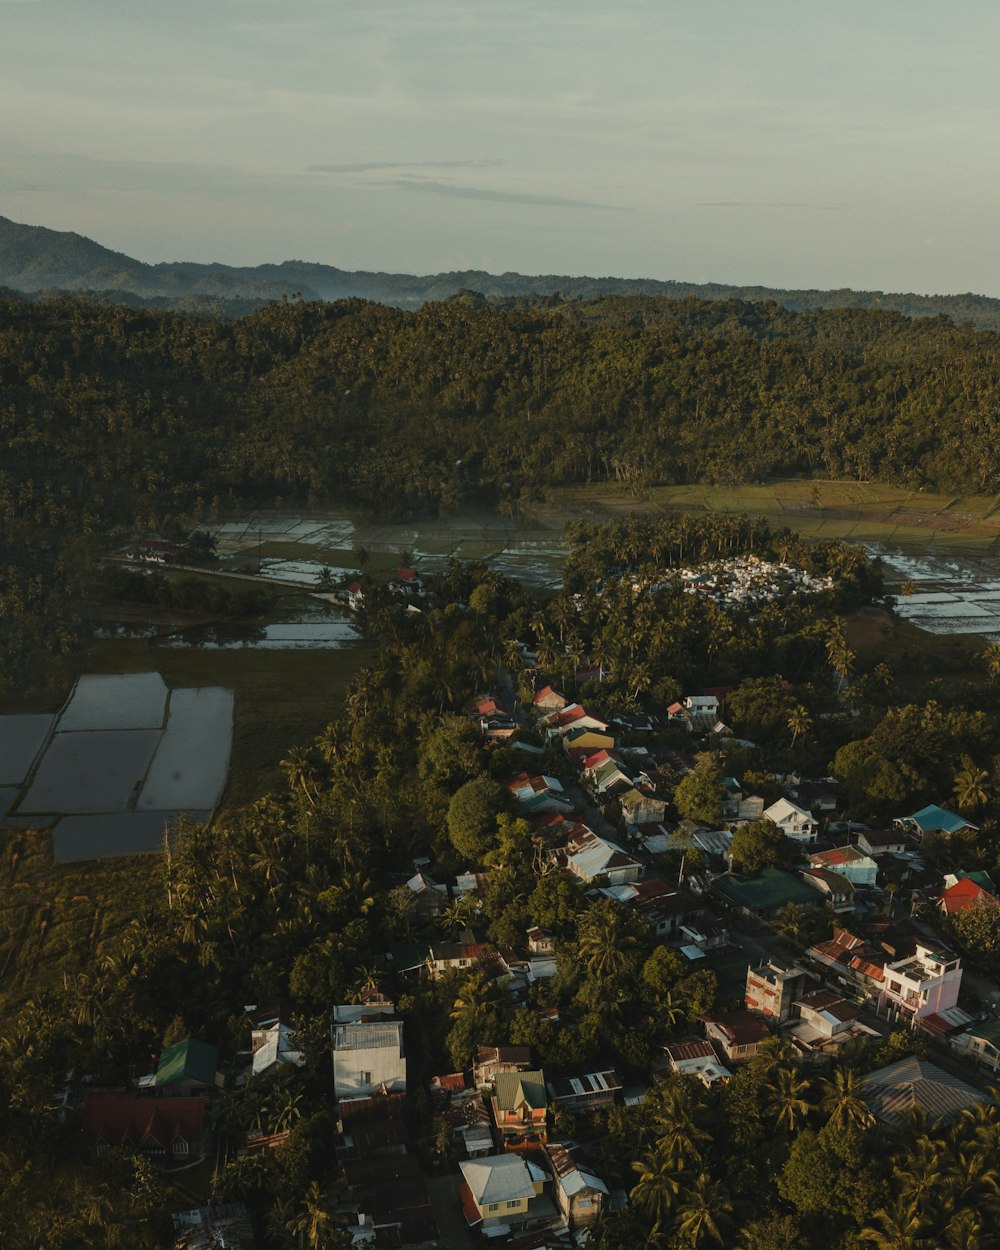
pixel 761 844
pixel 699 793
pixel 472 816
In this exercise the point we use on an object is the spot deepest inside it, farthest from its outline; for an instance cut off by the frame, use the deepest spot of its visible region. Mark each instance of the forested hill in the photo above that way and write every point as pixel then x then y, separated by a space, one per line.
pixel 112 418
pixel 33 258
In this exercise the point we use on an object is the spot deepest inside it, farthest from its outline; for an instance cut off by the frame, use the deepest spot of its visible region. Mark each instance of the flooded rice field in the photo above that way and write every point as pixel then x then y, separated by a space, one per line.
pixel 949 592
pixel 125 755
pixel 296 548
pixel 334 633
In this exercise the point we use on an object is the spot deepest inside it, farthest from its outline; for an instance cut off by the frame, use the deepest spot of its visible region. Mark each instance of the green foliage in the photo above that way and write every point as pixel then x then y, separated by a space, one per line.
pixel 761 844
pixel 699 793
pixel 472 817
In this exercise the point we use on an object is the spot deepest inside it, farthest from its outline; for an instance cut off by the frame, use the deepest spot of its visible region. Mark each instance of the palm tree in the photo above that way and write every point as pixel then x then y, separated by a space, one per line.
pixel 788 1103
pixel 799 721
pixel 964 1231
pixel 315 1224
pixel 844 1102
pixel 899 1228
pixel 603 946
pixel 704 1211
pixel 971 784
pixel 476 995
pixel 659 1184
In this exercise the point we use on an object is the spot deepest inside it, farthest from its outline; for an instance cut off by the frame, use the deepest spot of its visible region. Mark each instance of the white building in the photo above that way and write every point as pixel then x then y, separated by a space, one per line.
pixel 794 822
pixel 367 1057
pixel 926 984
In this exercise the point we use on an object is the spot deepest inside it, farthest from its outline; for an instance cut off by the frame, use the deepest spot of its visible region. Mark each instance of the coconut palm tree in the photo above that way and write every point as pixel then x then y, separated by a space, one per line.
pixel 799 721
pixel 788 1103
pixel 603 945
pixel 476 995
pixel 971 785
pixel 315 1224
pixel 703 1212
pixel 843 1100
pixel 991 658
pixel 899 1227
pixel 660 1182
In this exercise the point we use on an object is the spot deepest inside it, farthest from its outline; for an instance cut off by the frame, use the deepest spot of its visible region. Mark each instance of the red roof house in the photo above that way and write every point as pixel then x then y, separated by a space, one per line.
pixel 168 1130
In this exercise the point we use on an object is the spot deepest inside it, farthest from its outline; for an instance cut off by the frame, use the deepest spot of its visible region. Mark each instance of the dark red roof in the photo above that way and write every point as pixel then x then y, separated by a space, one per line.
pixel 120 1118
pixel 405 575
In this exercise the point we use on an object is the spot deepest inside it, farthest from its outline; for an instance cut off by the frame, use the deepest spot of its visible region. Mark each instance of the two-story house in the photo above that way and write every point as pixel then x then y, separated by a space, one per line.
pixel 794 822
pixel 520 1108
pixel 925 984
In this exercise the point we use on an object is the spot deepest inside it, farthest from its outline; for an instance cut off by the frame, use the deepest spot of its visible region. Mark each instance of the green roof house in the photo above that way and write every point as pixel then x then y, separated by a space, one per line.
pixel 933 820
pixel 767 892
pixel 189 1067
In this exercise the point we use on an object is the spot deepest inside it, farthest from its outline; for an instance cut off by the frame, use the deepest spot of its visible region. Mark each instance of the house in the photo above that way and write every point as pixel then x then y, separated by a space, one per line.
pixel 499 1190
pixel 881 842
pixel 794 822
pixel 588 856
pixel 849 861
pixel 835 888
pixel 640 808
pixel 539 794
pixel 520 1108
pixel 981 1042
pixel 666 906
pixel 822 795
pixel 737 1034
pixel 963 895
pixel 926 984
pixel 772 987
pixel 765 893
pixel 429 896
pixel 166 1130
pixel 580 738
pixel 695 1056
pixel 823 1022
pixel 272 1042
pixel 932 821
pixel 913 1083
pixel 702 705
pixel 579 1192
pixel 372 1126
pixel 406 582
pixel 540 941
pixel 493 1061
pixel 355 593
pixel 574 716
pixel 189 1067
pixel 444 956
pixel 368 1055
pixel 584 1093
pixel 548 700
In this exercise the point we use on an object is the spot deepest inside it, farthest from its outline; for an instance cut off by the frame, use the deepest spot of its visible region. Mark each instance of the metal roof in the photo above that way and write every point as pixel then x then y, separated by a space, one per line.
pixel 498 1178
pixel 385 1035
pixel 892 1091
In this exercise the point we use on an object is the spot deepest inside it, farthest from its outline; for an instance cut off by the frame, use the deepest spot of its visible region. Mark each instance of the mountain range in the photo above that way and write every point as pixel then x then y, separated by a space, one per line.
pixel 34 259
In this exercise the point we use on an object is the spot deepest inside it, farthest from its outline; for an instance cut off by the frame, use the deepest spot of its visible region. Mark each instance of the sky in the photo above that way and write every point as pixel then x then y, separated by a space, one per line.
pixel 783 144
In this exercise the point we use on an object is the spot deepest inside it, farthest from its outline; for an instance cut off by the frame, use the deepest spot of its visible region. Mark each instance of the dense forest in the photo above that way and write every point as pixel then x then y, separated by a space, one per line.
pixel 114 418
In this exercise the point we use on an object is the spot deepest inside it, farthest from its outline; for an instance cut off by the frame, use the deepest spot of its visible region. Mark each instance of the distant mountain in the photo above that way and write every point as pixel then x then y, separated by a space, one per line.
pixel 34 259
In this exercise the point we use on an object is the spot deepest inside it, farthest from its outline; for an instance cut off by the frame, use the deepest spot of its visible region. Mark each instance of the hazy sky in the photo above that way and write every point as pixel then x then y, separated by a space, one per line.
pixel 791 144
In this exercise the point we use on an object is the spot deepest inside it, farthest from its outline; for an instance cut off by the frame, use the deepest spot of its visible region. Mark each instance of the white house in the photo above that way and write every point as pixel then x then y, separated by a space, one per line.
pixel 367 1056
pixel 926 984
pixel 794 822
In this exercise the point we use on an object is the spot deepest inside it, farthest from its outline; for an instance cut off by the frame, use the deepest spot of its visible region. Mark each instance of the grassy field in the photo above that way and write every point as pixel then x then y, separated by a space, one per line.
pixel 863 511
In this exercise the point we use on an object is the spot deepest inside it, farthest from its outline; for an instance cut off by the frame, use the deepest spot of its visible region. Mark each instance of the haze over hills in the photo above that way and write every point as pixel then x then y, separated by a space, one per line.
pixel 34 259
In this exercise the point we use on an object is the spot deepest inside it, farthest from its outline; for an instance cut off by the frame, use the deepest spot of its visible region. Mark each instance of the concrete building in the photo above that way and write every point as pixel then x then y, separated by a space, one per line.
pixel 368 1056
pixel 773 987
pixel 925 984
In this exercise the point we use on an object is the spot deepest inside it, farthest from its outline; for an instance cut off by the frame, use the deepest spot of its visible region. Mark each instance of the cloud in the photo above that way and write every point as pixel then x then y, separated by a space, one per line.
pixel 366 167
pixel 458 191
pixel 824 208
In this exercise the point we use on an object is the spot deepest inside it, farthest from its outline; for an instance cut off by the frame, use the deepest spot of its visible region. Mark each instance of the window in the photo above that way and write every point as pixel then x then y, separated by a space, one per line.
pixel 493 1206
pixel 366 1078
pixel 513 1206
pixel 180 1146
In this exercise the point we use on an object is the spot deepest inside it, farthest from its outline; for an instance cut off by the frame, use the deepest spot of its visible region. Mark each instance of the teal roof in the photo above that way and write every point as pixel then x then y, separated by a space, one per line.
pixel 187 1061
pixel 934 819
pixel 770 889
